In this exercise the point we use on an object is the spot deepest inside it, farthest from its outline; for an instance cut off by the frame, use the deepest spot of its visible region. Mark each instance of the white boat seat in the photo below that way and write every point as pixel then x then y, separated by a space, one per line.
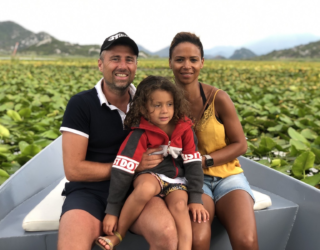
pixel 46 215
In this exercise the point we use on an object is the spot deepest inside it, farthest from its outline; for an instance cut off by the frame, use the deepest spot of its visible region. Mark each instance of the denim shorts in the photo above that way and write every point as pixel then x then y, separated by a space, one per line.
pixel 217 187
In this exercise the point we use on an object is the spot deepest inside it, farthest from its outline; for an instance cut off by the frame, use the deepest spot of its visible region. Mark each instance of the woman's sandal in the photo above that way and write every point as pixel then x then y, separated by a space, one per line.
pixel 109 243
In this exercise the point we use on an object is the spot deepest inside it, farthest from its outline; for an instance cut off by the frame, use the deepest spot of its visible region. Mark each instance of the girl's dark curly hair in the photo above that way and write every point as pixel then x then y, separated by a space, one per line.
pixel 142 96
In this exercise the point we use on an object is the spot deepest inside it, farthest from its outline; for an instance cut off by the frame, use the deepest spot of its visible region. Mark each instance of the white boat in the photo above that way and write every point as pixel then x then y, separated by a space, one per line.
pixel 291 222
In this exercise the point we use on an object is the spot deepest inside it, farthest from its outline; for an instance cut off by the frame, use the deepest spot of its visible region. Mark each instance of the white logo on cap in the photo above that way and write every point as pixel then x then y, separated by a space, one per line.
pixel 116 36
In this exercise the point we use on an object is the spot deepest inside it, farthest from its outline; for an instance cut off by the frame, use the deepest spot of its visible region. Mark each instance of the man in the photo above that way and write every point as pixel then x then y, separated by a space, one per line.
pixel 93 131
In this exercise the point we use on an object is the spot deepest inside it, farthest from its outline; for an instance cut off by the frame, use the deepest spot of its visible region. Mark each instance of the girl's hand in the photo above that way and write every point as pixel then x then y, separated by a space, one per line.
pixel 198 212
pixel 150 161
pixel 110 223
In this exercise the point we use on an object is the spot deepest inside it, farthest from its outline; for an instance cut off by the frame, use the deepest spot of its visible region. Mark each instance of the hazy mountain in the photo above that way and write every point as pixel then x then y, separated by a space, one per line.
pixel 10 33
pixel 263 46
pixel 163 52
pixel 241 54
pixel 143 49
pixel 310 50
pixel 225 51
pixel 43 43
pixel 280 42
pixel 39 43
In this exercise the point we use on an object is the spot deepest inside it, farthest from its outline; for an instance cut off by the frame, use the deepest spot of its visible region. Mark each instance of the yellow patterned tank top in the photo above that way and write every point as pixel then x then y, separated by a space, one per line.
pixel 211 137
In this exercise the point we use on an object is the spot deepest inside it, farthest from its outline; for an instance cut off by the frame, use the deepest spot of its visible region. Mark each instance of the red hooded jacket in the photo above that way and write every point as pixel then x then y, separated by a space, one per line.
pixel 181 159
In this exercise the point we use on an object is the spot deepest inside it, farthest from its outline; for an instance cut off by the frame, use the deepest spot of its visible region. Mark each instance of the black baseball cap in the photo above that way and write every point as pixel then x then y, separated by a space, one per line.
pixel 119 38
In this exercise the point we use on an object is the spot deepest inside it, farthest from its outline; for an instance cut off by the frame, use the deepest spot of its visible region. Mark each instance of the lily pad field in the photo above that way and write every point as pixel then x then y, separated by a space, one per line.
pixel 278 104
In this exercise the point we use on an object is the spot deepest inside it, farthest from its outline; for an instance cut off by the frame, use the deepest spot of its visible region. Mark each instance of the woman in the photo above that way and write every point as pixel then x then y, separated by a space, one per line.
pixel 226 190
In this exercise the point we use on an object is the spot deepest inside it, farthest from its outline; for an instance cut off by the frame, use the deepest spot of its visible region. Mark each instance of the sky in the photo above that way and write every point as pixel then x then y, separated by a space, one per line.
pixel 153 23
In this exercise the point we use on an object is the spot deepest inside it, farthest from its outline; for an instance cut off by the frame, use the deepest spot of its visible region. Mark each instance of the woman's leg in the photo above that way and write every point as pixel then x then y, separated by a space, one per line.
pixel 177 202
pixel 146 186
pixel 201 232
pixel 235 211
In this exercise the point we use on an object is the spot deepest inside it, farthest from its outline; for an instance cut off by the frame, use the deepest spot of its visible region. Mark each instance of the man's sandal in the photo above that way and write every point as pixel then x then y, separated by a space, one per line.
pixel 108 241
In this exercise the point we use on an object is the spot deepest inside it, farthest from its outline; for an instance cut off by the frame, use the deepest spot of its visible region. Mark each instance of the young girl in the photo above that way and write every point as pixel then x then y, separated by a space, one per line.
pixel 158 118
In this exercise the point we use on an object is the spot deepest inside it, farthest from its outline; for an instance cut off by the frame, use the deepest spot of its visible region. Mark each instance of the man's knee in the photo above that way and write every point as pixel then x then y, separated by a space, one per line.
pixel 167 238
pixel 78 229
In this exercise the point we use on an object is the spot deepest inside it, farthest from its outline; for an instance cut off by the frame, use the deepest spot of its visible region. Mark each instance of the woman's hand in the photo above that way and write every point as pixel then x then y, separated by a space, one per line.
pixel 198 212
pixel 150 161
pixel 110 223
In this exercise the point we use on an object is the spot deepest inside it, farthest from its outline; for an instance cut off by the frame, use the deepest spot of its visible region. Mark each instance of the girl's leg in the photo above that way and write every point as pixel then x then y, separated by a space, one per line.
pixel 235 211
pixel 177 202
pixel 145 186
pixel 201 232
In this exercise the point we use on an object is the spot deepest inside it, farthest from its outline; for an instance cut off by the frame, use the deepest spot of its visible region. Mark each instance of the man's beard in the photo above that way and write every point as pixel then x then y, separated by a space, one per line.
pixel 116 87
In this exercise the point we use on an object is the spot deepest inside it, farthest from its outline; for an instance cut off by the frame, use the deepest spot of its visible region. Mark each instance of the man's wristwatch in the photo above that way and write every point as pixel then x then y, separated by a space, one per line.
pixel 208 161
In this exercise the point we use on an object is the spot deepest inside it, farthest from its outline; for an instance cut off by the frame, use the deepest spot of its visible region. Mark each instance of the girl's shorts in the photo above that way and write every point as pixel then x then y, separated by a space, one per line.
pixel 169 185
pixel 217 187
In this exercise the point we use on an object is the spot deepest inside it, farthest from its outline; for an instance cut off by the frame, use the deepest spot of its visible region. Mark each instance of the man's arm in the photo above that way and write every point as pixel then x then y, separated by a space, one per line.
pixel 76 168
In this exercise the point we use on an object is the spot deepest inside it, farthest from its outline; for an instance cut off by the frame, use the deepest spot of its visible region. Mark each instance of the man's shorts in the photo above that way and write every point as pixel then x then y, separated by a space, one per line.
pixel 90 197
pixel 217 187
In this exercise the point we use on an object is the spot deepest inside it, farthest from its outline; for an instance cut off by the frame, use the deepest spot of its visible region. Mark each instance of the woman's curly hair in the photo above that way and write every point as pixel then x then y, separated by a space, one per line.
pixel 142 96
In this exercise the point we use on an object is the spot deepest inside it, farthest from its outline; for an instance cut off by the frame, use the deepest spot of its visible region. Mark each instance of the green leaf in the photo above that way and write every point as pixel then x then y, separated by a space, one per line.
pixel 6 106
pixel 284 169
pixel 3 157
pixel 18 106
pixel 42 142
pixel 22 159
pixel 45 98
pixel 299 124
pixel 31 150
pixel 49 134
pixel 11 168
pixel 297 136
pixel 23 145
pixel 285 119
pixel 309 134
pixel 317 141
pixel 299 145
pixel 266 145
pixel 3 173
pixel 264 162
pixel 312 180
pixel 277 128
pixel 317 154
pixel 253 132
pixel 4 132
pixel 302 163
pixel 25 112
pixel 36 103
pixel 4 148
pixel 276 163
pixel 14 115
pixel 3 176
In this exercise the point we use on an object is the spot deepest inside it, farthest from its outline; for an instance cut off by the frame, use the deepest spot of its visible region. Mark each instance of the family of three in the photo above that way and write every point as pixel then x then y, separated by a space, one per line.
pixel 159 160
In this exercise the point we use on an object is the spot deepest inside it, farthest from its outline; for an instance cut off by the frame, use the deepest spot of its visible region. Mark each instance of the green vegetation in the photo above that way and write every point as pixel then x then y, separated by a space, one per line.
pixel 277 102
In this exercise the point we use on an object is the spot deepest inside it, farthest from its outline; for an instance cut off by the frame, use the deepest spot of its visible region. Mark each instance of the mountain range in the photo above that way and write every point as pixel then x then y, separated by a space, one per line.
pixel 39 43
pixel 42 43
pixel 310 50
